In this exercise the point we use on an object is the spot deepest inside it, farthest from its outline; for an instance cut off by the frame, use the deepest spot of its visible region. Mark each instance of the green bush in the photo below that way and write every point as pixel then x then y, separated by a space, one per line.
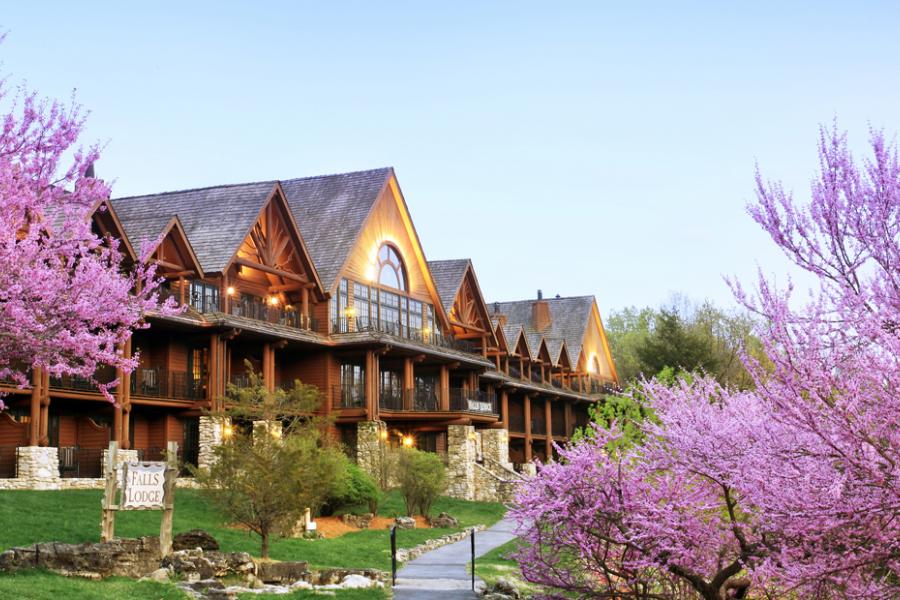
pixel 358 488
pixel 421 477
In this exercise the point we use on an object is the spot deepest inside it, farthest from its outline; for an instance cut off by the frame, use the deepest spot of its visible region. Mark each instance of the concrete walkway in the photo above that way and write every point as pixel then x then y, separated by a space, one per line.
pixel 441 574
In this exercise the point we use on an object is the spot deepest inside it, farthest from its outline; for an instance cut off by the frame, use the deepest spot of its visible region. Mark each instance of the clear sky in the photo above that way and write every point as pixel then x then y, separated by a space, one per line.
pixel 580 148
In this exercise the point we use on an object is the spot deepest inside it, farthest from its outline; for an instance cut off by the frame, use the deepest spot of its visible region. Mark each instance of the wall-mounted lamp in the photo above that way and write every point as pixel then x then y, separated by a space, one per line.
pixel 230 290
pixel 227 431
pixel 273 300
pixel 383 434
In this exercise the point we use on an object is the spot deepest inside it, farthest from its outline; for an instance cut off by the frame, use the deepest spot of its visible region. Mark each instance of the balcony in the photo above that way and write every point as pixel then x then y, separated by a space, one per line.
pixel 514 371
pixel 77 383
pixel 397 329
pixel 154 382
pixel 558 426
pixel 349 396
pixel 536 375
pixel 391 398
pixel 473 401
pixel 256 309
pixel 538 426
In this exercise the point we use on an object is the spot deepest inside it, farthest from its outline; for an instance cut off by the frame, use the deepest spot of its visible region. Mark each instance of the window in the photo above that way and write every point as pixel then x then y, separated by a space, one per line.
pixel 361 305
pixel 390 268
pixel 204 296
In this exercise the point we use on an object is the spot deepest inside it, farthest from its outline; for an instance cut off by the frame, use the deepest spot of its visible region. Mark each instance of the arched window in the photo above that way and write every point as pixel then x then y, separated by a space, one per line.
pixel 390 268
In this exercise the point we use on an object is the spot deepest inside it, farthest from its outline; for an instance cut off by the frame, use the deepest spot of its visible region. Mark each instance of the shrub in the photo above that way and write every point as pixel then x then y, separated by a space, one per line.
pixel 421 478
pixel 357 488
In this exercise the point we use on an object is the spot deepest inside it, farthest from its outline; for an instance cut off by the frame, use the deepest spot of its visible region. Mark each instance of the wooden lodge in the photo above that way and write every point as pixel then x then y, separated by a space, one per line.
pixel 321 279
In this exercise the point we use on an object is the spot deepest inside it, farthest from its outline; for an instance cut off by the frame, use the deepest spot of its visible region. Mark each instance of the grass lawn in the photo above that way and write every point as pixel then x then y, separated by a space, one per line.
pixel 74 516
pixel 496 564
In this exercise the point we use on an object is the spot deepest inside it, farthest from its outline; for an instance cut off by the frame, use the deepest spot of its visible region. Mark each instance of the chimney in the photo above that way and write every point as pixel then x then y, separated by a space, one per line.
pixel 540 313
pixel 500 318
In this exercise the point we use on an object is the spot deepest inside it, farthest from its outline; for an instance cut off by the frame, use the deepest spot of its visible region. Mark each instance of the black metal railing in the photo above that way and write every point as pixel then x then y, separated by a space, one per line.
pixel 241 380
pixel 9 462
pixel 155 382
pixel 80 462
pixel 425 399
pixel 473 401
pixel 82 384
pixel 517 423
pixel 204 303
pixel 398 329
pixel 349 396
pixel 256 309
pixel 392 398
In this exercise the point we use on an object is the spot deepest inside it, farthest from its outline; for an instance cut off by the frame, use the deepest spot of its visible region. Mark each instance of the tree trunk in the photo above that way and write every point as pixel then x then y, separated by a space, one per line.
pixel 264 552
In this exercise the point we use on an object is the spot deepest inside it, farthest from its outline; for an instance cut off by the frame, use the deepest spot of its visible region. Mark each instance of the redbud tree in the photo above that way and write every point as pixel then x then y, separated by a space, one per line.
pixel 68 300
pixel 789 489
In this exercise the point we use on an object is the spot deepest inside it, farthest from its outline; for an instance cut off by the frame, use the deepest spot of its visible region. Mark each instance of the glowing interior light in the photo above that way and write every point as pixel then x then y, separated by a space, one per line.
pixel 408 441
pixel 230 290
pixel 273 300
pixel 227 431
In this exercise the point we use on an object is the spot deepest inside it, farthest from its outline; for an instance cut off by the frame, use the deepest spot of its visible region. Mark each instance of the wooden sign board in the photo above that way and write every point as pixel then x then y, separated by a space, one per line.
pixel 144 486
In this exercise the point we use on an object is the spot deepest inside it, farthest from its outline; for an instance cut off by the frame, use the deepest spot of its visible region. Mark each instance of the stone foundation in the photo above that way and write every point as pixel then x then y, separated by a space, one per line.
pixel 495 447
pixel 461 462
pixel 212 432
pixel 38 468
pixel 371 449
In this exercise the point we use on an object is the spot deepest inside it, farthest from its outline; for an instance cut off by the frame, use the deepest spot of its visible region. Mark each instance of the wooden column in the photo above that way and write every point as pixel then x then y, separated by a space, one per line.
pixel 304 304
pixel 444 397
pixel 549 431
pixel 181 287
pixel 268 366
pixel 370 380
pixel 484 345
pixel 226 299
pixel 567 416
pixel 527 401
pixel 215 368
pixel 120 400
pixel 44 438
pixel 34 434
pixel 125 442
pixel 408 383
pixel 504 409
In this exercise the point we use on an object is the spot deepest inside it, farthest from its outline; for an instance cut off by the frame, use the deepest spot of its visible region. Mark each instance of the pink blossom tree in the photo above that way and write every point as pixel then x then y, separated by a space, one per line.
pixel 788 490
pixel 68 300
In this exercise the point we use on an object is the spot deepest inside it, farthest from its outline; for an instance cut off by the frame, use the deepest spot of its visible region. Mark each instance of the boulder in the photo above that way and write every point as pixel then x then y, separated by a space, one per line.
pixel 358 521
pixel 196 565
pixel 405 523
pixel 285 572
pixel 160 575
pixel 195 538
pixel 443 521
pixel 121 557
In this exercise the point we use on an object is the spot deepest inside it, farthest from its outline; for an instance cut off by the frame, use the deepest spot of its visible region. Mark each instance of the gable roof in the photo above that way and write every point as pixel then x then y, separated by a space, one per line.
pixel 330 211
pixel 215 219
pixel 448 278
pixel 569 319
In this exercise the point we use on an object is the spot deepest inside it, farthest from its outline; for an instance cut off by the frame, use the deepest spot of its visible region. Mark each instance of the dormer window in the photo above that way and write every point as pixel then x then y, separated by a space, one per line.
pixel 390 268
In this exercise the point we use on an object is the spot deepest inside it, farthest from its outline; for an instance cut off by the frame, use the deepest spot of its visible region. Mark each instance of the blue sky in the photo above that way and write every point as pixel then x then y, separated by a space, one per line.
pixel 580 148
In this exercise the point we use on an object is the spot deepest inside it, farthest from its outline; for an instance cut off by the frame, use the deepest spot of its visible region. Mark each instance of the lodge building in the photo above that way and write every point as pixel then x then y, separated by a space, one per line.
pixel 323 280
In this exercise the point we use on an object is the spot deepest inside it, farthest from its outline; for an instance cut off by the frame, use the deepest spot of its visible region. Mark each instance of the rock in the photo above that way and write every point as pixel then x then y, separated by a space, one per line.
pixel 121 557
pixel 443 521
pixel 160 575
pixel 506 587
pixel 358 521
pixel 356 581
pixel 195 538
pixel 405 523
pixel 196 565
pixel 285 572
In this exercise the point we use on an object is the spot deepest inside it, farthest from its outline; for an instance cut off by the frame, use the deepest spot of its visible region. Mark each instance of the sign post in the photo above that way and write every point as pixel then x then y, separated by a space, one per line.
pixel 145 486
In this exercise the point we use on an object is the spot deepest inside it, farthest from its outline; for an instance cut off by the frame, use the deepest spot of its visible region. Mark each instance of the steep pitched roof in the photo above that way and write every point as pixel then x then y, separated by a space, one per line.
pixel 215 219
pixel 330 211
pixel 569 319
pixel 448 277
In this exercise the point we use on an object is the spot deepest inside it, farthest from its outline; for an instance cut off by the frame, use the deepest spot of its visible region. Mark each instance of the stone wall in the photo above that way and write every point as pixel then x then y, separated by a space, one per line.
pixel 212 432
pixel 461 462
pixel 37 467
pixel 495 446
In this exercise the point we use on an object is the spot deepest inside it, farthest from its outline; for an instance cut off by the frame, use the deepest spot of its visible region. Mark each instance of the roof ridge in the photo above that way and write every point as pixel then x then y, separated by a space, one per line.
pixel 323 176
pixel 197 189
pixel 582 297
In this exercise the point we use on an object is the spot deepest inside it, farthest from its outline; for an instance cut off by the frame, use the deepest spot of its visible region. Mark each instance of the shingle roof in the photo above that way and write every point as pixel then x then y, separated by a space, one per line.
pixel 448 277
pixel 569 319
pixel 216 219
pixel 330 211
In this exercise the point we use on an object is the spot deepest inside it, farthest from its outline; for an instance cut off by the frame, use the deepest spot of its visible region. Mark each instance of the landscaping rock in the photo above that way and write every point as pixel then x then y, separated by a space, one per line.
pixel 121 557
pixel 160 575
pixel 357 581
pixel 196 565
pixel 358 521
pixel 196 538
pixel 285 572
pixel 405 523
pixel 443 521
pixel 503 589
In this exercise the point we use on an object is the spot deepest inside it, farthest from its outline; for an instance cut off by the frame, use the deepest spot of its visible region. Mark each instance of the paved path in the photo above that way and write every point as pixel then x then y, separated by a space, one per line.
pixel 441 574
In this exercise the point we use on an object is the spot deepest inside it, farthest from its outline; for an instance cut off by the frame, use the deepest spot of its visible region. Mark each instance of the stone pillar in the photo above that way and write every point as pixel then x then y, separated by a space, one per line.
pixel 212 433
pixel 371 445
pixel 39 467
pixel 122 457
pixel 495 446
pixel 461 462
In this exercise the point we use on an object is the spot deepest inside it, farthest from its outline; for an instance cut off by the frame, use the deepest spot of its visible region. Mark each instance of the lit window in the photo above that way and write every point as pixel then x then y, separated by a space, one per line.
pixel 390 268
